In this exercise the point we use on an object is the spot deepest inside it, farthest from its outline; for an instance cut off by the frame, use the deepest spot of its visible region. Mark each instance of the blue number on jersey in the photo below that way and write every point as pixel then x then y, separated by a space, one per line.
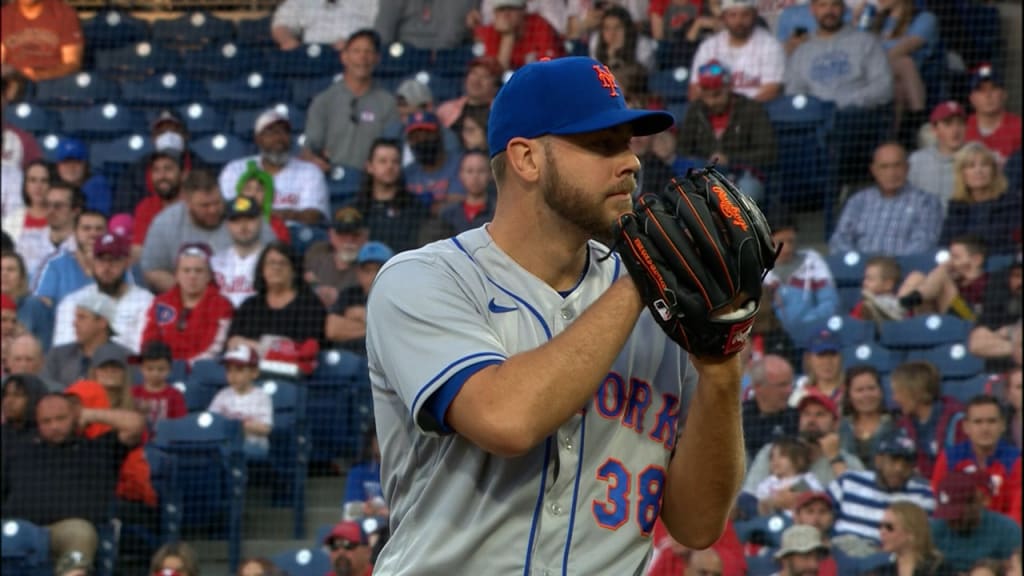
pixel 612 513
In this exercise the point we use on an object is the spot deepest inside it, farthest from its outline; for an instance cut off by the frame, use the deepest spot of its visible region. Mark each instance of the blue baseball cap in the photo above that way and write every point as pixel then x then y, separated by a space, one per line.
pixel 986 73
pixel 374 252
pixel 824 341
pixel 71 149
pixel 564 96
pixel 897 443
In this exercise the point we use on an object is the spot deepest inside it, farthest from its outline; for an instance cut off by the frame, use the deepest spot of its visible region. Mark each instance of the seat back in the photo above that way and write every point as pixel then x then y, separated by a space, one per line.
pixel 952 360
pixel 802 124
pixel 253 90
pixel 924 331
pixel 137 61
pixel 26 548
pixel 192 31
pixel 847 268
pixel 224 60
pixel 871 354
pixel 204 381
pixel 101 121
pixel 963 389
pixel 202 118
pixel 243 121
pixel 162 90
pixel 30 118
pixel 303 562
pixel 113 156
pixel 290 447
pixel 76 90
pixel 339 404
pixel 309 61
pixel 851 331
pixel 219 149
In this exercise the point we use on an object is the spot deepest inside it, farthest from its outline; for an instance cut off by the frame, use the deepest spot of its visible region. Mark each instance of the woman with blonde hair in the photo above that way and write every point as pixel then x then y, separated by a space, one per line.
pixel 176 556
pixel 981 205
pixel 905 534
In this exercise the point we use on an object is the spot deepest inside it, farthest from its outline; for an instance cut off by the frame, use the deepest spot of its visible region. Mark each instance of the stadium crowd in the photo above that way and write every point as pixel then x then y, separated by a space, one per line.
pixel 858 462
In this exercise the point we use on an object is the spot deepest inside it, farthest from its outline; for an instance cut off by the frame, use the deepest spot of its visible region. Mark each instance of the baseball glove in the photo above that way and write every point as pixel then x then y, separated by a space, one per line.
pixel 698 252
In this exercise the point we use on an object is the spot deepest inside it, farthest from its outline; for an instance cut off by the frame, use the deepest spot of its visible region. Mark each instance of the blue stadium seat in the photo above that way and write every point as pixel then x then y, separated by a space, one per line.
pixel 255 32
pixel 340 405
pixel 26 549
pixel 924 331
pixel 847 268
pixel 849 296
pixel 223 61
pixel 678 111
pixel 201 118
pixel 441 87
pixel 192 31
pixel 308 61
pixel 290 448
pixel 211 475
pixel 453 62
pixel 400 60
pixel 952 360
pixel 304 90
pixel 577 48
pixel 168 89
pixel 923 263
pixel 253 89
pixel 101 121
pixel 136 61
pixel 963 389
pixel 179 371
pixel 761 565
pixel 763 530
pixel 303 236
pixel 116 154
pixel 871 354
pixel 997 262
pixel 851 331
pixel 219 149
pixel 30 118
pixel 77 90
pixel 243 121
pixel 671 84
pixel 163 475
pixel 303 562
pixel 112 29
pixel 342 185
pixel 206 379
pixel 803 175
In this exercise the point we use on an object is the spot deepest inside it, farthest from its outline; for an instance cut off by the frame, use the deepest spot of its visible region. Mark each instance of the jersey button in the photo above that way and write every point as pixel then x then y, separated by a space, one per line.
pixel 567 314
pixel 556 510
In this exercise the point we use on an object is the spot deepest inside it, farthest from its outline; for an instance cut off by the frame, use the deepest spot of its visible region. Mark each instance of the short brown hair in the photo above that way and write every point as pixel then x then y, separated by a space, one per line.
pixel 499 164
pixel 889 266
pixel 798 452
pixel 199 181
pixel 920 378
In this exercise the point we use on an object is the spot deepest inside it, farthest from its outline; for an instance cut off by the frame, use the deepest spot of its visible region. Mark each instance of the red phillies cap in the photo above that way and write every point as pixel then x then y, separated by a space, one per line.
pixel 813 395
pixel 7 303
pixel 346 530
pixel 806 498
pixel 112 246
pixel 242 355
pixel 947 109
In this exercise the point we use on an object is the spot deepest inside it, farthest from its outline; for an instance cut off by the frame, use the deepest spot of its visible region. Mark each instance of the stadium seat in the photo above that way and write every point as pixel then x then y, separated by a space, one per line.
pixel 219 149
pixel 304 90
pixel 671 84
pixel 289 448
pixel 168 89
pixel 112 29
pixel 851 331
pixel 952 360
pixel 453 62
pixel 202 118
pixel 223 61
pixel 924 331
pixel 678 111
pixel 577 48
pixel 849 296
pixel 136 61
pixel 761 566
pixel 339 404
pixel 763 530
pixel 923 263
pixel 342 185
pixel 192 31
pixel 30 118
pixel 120 152
pixel 997 262
pixel 77 90
pixel 101 121
pixel 255 32
pixel 206 379
pixel 163 475
pixel 400 60
pixel 309 61
pixel 963 389
pixel 303 236
pixel 211 474
pixel 243 121
pixel 847 268
pixel 303 562
pixel 441 87
pixel 803 175
pixel 871 354
pixel 26 549
pixel 251 90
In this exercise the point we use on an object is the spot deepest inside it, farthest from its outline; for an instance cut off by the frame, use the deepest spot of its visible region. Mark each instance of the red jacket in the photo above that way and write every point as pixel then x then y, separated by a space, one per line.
pixel 664 562
pixel 537 40
pixel 200 335
pixel 948 432
pixel 1003 468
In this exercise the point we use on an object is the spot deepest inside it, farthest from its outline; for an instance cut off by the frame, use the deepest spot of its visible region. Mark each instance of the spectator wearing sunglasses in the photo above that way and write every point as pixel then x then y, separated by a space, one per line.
pixel 907 537
pixel 349 549
pixel 192 317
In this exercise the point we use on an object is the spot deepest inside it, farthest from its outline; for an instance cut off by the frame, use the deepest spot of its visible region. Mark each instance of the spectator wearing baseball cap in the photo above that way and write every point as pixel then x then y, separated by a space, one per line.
pixel 992 124
pixel 234 268
pixel 170 138
pixel 480 85
pixel 963 529
pixel 433 176
pixel 242 400
pixel 931 166
pixel 330 264
pixel 95 315
pixel 349 549
pixel 72 163
pixel 725 124
pixel 824 363
pixel 192 318
pixel 802 551
pixel 109 273
pixel 300 189
pixel 155 397
pixel 346 319
pixel 531 36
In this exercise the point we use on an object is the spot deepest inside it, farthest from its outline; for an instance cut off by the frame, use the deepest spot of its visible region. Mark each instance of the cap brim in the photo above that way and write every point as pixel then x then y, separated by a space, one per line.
pixel 948 511
pixel 644 122
pixel 787 551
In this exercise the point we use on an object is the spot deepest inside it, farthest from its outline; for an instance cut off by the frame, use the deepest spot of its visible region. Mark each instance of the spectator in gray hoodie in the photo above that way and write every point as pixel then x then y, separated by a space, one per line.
pixel 931 167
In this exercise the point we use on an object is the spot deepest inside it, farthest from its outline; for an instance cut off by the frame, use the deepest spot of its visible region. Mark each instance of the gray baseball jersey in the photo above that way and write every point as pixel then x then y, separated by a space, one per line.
pixel 585 500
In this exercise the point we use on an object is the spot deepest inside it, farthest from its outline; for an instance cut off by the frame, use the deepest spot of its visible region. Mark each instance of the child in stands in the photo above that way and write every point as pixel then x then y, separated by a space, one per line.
pixel 155 398
pixel 243 401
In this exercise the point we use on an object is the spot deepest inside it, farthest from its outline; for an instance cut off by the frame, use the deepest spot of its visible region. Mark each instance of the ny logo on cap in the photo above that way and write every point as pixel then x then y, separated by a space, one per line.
pixel 607 79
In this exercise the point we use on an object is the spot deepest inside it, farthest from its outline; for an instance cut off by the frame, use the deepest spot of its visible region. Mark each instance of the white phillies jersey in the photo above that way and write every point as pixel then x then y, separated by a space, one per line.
pixel 582 502
pixel 299 186
pixel 758 62
pixel 235 274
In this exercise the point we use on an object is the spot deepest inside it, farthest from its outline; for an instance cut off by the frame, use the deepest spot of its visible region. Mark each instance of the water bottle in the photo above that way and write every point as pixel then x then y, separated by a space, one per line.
pixel 866 16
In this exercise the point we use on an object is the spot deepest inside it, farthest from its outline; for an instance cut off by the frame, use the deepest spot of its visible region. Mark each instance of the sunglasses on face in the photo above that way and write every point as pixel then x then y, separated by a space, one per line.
pixel 339 544
pixel 711 70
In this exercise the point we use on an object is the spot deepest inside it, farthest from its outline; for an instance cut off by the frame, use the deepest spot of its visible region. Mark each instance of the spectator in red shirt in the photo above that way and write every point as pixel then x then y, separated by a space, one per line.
pixel 155 398
pixel 957 286
pixel 987 450
pixel 169 135
pixel 164 170
pixel 517 38
pixel 991 124
pixel 192 317
pixel 42 39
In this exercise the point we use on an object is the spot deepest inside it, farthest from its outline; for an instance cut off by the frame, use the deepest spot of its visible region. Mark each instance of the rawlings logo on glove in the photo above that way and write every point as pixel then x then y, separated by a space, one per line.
pixel 698 252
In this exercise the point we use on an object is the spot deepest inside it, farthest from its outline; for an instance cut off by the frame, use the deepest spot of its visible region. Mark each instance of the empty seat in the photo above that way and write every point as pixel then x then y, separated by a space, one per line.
pixel 102 121
pixel 847 268
pixel 871 354
pixel 963 389
pixel 137 61
pixel 803 174
pixel 339 392
pixel 192 31
pixel 110 29
pixel 849 296
pixel 202 118
pixel 243 121
pixel 114 155
pixel 924 331
pixel 26 549
pixel 343 183
pixel 30 118
pixel 219 149
pixel 255 32
pixel 453 62
pixel 253 89
pixel 952 360
pixel 308 61
pixel 304 90
pixel 289 448
pixel 671 85
pixel 399 60
pixel 303 562
pixel 224 60
pixel 206 379
pixel 923 262
pixel 77 90
pixel 168 89
pixel 851 331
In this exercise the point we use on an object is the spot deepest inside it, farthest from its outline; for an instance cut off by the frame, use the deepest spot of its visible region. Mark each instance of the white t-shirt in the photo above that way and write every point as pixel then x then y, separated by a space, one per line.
pixel 253 405
pixel 10 189
pixel 129 319
pixel 758 62
pixel 235 274
pixel 299 186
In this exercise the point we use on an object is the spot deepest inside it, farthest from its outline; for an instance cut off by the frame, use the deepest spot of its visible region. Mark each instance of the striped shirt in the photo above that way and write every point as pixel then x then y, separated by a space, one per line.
pixel 860 501
pixel 908 223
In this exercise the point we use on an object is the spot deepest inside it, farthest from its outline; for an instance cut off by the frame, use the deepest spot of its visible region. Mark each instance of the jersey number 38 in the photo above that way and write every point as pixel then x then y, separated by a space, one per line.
pixel 614 511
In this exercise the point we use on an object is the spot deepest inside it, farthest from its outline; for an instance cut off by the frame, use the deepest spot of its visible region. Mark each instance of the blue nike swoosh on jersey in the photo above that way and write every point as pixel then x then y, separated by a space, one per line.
pixel 499 309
